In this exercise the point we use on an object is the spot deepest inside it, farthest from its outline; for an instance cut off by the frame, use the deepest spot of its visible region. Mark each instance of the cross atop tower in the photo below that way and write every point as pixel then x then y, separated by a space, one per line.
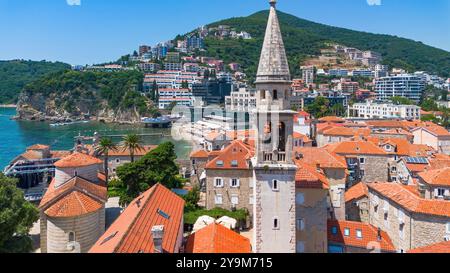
pixel 273 2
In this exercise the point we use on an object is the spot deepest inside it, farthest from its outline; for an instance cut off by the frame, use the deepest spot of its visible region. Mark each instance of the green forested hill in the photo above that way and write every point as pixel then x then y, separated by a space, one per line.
pixel 305 38
pixel 14 75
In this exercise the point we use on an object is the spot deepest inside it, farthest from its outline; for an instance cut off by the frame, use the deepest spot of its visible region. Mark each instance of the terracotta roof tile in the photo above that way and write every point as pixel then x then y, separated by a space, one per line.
pixel 443 247
pixel 435 130
pixel 369 235
pixel 410 201
pixel 216 238
pixel 356 192
pixel 332 119
pixel 303 137
pixel 355 148
pixel 38 147
pixel 234 156
pixel 131 232
pixel 439 177
pixel 309 177
pixel 199 154
pixel 326 159
pixel 77 160
pixel 73 204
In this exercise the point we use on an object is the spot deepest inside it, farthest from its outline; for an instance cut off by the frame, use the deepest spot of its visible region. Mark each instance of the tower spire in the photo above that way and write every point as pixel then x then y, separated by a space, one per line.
pixel 273 64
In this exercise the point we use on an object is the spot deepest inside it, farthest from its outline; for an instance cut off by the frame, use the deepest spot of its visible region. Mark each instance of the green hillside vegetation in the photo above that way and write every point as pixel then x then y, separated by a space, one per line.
pixel 120 90
pixel 14 75
pixel 305 38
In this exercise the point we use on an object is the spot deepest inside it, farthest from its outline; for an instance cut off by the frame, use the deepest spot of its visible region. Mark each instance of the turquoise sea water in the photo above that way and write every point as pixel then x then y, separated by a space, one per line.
pixel 15 136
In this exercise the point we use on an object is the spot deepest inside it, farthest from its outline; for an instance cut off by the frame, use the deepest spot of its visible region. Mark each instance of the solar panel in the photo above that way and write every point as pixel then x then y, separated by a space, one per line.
pixel 416 160
pixel 163 214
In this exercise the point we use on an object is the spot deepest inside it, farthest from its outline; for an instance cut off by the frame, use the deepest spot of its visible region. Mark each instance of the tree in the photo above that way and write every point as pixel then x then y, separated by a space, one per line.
pixel 104 147
pixel 184 85
pixel 132 143
pixel 16 218
pixel 319 108
pixel 401 101
pixel 429 105
pixel 191 199
pixel 158 166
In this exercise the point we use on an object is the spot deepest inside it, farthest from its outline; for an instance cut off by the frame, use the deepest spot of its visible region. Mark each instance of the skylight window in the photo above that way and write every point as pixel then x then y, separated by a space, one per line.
pixel 219 163
pixel 234 163
pixel 163 214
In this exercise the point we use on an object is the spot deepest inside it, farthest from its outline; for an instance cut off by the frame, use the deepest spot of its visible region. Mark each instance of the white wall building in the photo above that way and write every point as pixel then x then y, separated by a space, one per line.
pixel 372 110
pixel 241 100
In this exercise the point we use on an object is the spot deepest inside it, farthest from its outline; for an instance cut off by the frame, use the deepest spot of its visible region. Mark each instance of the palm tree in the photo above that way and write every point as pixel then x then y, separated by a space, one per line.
pixel 132 143
pixel 103 148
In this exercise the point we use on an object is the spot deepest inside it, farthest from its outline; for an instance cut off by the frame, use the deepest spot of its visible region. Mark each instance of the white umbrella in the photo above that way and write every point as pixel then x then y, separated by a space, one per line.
pixel 202 222
pixel 227 222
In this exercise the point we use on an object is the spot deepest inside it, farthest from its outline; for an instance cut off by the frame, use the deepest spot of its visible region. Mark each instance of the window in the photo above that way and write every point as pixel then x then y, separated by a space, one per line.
pixel 193 161
pixel 300 224
pixel 71 236
pixel 218 200
pixel 448 228
pixel 218 183
pixel 251 199
pixel 401 231
pixel 234 163
pixel 300 248
pixel 358 233
pixel 275 185
pixel 219 163
pixel 276 224
pixel 234 183
pixel 347 232
pixel 362 160
pixel 394 169
pixel 117 160
pixel 440 192
pixel 300 198
pixel 275 94
pixel 235 199
pixel 334 230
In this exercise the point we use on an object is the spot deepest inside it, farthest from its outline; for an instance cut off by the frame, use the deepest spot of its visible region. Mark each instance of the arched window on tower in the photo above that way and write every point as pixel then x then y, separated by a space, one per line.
pixel 267 133
pixel 282 137
pixel 71 236
pixel 275 94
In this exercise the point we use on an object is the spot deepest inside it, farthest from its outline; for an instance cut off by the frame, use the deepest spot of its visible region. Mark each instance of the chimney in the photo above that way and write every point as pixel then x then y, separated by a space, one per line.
pixel 158 234
pixel 379 234
pixel 318 167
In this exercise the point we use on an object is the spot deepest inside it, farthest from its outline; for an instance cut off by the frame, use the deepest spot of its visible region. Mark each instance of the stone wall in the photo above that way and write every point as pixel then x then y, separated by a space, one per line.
pixel 87 228
pixel 90 173
pixel 357 210
pixel 311 215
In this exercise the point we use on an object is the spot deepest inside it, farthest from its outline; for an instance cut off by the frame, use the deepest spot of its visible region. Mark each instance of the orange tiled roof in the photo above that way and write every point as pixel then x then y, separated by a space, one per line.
pixel 59 154
pixel 434 129
pixel 74 204
pixel 237 151
pixel 305 138
pixel 31 155
pixel 369 235
pixel 131 232
pixel 410 201
pixel 443 247
pixel 356 192
pixel 355 147
pixel 61 202
pixel 77 160
pixel 326 159
pixel 321 127
pixel 416 168
pixel 439 177
pixel 199 154
pixel 397 131
pixel 309 177
pixel 387 124
pixel 38 147
pixel 346 131
pixel 439 161
pixel 332 119
pixel 216 238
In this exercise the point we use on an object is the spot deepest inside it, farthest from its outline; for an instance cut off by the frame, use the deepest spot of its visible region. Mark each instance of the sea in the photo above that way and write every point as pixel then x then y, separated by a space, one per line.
pixel 16 135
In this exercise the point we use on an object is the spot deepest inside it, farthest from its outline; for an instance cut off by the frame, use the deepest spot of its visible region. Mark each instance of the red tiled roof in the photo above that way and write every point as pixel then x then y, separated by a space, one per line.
pixel 439 177
pixel 309 177
pixel 443 247
pixel 410 201
pixel 356 192
pixel 131 232
pixel 434 129
pixel 38 147
pixel 62 202
pixel 237 152
pixel 332 119
pixel 305 138
pixel 199 154
pixel 74 204
pixel 216 238
pixel 355 148
pixel 346 132
pixel 77 160
pixel 326 159
pixel 369 235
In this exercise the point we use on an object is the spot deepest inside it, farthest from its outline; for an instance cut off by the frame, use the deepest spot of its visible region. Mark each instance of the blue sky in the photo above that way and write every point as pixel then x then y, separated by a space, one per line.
pixel 102 30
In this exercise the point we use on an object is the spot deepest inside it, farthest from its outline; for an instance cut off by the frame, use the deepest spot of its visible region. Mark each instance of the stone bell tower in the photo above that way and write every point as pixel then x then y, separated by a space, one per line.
pixel 274 169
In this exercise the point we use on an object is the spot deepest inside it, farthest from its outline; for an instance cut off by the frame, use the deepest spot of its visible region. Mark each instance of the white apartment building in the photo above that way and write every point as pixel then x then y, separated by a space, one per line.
pixel 241 100
pixel 372 110
pixel 405 85
pixel 308 74
pixel 182 97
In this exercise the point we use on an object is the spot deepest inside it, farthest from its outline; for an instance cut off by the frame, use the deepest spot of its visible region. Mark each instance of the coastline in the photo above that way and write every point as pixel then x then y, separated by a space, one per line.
pixel 8 106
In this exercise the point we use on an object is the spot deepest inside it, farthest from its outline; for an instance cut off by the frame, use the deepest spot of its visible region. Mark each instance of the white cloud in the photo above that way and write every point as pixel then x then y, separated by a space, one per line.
pixel 374 2
pixel 73 2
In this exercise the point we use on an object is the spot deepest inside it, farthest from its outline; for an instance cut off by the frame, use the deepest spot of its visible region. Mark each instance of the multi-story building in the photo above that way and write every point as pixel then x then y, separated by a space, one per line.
pixel 173 66
pixel 150 67
pixel 373 110
pixel 363 73
pixel 308 74
pixel 338 72
pixel 410 220
pixel 195 42
pixel 408 86
pixel 433 135
pixel 173 57
pixel 170 96
pixel 212 91
pixel 348 87
pixel 170 79
pixel 435 184
pixel 241 100
pixel 381 71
